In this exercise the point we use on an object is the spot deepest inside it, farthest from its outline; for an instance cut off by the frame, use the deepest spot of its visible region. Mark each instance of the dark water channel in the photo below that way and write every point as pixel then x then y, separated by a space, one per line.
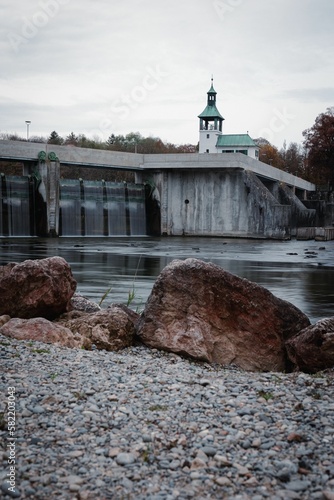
pixel 301 272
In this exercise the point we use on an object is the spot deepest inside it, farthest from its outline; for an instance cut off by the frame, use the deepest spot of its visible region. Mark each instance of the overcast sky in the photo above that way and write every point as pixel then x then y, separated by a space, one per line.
pixel 119 66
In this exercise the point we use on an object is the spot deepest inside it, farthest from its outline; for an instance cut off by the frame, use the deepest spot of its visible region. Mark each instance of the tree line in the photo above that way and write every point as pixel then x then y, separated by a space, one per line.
pixel 313 160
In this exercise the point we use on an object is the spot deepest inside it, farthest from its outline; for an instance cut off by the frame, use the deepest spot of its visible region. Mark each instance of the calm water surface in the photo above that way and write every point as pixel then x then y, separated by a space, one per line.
pixel 301 272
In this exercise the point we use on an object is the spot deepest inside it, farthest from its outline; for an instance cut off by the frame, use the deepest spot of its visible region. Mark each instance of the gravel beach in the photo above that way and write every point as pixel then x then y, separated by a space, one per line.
pixel 143 424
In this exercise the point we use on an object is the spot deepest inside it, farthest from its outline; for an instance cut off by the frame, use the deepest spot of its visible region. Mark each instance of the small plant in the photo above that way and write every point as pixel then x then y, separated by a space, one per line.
pixel 132 292
pixel 145 456
pixel 158 408
pixel 265 395
pixel 131 296
pixel 53 376
pixel 41 351
pixel 316 395
pixel 80 395
pixel 105 295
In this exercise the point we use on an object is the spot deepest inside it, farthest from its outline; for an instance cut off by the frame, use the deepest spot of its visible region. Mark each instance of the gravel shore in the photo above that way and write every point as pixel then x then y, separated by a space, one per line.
pixel 147 425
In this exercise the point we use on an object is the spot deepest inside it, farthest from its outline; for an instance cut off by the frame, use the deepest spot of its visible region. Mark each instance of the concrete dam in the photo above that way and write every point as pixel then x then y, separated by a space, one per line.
pixel 229 195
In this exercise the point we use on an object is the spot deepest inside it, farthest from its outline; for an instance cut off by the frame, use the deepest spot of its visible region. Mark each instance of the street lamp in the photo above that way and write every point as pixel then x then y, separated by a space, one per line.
pixel 28 123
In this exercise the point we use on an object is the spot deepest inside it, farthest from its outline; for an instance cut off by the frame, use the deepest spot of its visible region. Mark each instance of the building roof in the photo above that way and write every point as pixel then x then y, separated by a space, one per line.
pixel 235 140
pixel 212 90
pixel 210 112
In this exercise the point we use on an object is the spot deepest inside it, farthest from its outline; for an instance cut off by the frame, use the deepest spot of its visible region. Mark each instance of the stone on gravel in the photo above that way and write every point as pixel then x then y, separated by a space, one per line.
pixel 109 329
pixel 125 458
pixel 312 349
pixel 36 288
pixel 42 330
pixel 133 424
pixel 80 303
pixel 200 310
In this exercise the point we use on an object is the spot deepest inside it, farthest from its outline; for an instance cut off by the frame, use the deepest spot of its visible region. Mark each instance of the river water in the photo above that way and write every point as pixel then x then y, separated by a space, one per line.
pixel 301 272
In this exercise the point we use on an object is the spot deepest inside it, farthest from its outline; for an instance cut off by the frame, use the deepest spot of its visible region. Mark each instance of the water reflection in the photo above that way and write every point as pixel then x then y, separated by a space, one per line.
pixel 300 272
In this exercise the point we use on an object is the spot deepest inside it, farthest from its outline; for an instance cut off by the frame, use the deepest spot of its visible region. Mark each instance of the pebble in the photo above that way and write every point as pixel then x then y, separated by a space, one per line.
pixel 147 425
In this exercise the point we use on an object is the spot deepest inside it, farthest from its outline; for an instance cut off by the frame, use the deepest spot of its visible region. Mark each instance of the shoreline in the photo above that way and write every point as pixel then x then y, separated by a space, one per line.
pixel 145 424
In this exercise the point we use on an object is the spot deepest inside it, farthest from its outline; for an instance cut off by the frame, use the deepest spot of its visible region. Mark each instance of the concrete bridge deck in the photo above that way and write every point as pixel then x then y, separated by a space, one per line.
pixel 99 158
pixel 70 155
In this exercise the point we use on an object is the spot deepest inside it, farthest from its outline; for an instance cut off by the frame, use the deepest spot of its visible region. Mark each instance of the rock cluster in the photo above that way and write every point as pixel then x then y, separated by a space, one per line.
pixel 35 292
pixel 195 309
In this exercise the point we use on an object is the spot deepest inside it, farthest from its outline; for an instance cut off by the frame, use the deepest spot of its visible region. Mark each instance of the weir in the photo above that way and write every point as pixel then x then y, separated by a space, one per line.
pixel 99 208
pixel 191 194
pixel 86 208
pixel 17 206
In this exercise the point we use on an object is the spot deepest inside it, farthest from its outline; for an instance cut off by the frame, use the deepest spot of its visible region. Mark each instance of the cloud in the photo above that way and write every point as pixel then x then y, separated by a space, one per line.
pixel 320 95
pixel 79 60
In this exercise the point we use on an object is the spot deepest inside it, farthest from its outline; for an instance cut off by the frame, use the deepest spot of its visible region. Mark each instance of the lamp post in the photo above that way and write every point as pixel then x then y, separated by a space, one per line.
pixel 28 123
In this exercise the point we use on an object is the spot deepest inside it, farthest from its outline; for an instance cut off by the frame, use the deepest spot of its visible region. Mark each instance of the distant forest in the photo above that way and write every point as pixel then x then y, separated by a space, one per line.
pixel 133 142
pixel 313 160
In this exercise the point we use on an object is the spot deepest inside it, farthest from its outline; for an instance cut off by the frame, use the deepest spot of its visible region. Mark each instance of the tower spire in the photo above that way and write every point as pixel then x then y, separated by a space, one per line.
pixel 211 123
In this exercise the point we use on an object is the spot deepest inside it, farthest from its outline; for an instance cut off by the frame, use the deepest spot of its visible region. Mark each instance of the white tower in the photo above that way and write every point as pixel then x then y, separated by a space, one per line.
pixel 210 124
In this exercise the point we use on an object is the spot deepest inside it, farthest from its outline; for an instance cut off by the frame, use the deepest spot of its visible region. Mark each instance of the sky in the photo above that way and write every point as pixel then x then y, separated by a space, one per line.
pixel 107 67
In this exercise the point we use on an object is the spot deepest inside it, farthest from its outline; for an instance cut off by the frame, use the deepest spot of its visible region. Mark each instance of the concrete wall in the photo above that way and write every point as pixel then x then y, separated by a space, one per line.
pixel 48 189
pixel 300 215
pixel 220 161
pixel 219 203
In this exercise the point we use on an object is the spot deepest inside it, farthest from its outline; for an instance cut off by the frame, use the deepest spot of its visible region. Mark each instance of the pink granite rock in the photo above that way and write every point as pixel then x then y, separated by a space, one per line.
pixel 200 310
pixel 312 349
pixel 42 330
pixel 110 329
pixel 36 288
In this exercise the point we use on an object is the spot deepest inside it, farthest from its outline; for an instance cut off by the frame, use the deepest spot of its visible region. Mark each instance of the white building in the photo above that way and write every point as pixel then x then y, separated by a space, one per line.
pixel 211 137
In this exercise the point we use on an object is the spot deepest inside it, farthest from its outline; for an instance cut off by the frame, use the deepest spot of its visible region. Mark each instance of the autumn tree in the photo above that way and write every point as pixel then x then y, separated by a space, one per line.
pixel 268 153
pixel 292 159
pixel 319 144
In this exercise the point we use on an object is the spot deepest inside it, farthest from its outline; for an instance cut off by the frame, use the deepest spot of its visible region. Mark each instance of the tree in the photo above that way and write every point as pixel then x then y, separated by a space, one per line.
pixel 319 144
pixel 71 140
pixel 269 154
pixel 55 138
pixel 293 159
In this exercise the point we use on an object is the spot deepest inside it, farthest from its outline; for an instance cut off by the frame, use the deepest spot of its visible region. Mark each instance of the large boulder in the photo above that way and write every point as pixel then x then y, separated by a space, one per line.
pixel 42 330
pixel 312 349
pixel 109 329
pixel 200 310
pixel 36 288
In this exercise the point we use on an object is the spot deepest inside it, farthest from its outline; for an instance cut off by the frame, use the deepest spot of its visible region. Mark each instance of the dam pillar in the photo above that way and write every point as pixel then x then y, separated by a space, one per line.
pixel 48 174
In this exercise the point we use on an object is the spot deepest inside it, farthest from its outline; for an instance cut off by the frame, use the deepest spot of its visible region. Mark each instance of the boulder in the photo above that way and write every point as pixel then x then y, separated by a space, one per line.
pixel 42 330
pixel 4 319
pixel 312 349
pixel 132 315
pixel 200 310
pixel 81 303
pixel 36 288
pixel 110 329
